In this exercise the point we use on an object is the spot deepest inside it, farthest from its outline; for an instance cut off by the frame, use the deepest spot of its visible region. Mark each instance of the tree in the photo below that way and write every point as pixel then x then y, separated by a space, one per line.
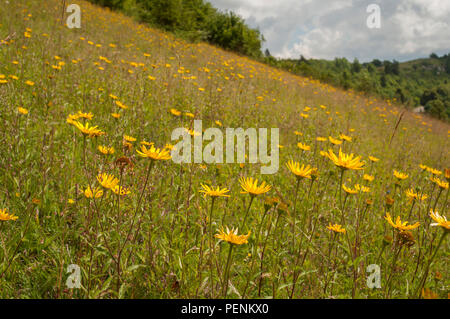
pixel 377 63
pixel 383 81
pixel 434 56
pixel 356 66
pixel 229 31
pixel 436 108
pixel 396 67
pixel 447 64
pixel 427 96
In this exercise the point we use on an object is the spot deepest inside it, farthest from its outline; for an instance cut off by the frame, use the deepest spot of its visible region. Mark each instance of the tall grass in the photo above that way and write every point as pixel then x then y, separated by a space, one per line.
pixel 158 241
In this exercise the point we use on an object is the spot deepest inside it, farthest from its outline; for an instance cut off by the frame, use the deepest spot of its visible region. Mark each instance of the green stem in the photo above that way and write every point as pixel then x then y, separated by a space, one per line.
pixel 227 271
pixel 437 198
pixel 340 187
pixel 295 213
pixel 211 247
pixel 425 275
pixel 248 209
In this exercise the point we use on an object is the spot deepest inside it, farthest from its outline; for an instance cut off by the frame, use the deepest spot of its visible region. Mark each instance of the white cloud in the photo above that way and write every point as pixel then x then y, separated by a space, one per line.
pixel 337 28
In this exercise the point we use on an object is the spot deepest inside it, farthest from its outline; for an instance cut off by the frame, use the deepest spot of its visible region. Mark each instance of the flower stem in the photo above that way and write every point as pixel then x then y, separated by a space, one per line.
pixel 295 214
pixel 425 275
pixel 248 209
pixel 227 271
pixel 211 247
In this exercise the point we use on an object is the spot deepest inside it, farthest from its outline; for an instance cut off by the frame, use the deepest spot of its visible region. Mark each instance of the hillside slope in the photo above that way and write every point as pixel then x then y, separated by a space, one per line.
pixel 421 82
pixel 149 232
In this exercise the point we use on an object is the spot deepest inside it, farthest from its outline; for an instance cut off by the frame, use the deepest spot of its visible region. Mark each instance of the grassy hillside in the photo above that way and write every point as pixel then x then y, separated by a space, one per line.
pixel 157 238
pixel 422 82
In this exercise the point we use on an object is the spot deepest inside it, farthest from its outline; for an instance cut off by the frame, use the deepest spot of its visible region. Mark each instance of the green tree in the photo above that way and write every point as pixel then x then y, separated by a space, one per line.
pixel 436 108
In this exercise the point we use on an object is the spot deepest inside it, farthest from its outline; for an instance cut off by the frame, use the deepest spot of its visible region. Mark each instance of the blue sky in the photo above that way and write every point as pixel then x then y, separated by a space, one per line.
pixel 327 29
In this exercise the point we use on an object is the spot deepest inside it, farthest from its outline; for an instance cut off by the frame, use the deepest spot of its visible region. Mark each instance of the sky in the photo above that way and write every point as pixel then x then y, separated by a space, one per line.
pixel 325 29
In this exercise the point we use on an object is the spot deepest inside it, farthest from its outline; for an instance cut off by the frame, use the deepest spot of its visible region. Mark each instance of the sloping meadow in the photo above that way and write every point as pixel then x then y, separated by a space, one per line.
pixel 87 178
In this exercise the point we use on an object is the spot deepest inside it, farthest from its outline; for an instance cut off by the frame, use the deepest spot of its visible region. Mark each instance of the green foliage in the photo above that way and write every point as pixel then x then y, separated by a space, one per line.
pixel 195 20
pixel 436 108
pixel 412 83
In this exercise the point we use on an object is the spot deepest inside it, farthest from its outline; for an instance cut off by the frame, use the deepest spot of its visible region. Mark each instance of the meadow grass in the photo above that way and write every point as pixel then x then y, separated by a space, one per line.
pixel 161 238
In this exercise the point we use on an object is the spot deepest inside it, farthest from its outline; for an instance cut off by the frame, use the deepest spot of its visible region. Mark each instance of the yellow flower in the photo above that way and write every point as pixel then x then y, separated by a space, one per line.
pixel 447 174
pixel 106 150
pixel 345 161
pixel 147 143
pixel 368 178
pixel 193 133
pixel 400 175
pixel 175 112
pixel 89 193
pixel 349 191
pixel 154 153
pixel 107 181
pixel 373 159
pixel 304 147
pixel 30 83
pixel 22 110
pixel 251 187
pixel 115 115
pixel 5 216
pixel 91 131
pixel 439 220
pixel 217 192
pixel 72 118
pixel 121 190
pixel 361 188
pixel 232 237
pixel 129 138
pixel 415 196
pixel 169 146
pixel 433 171
pixel 438 182
pixel 121 105
pixel 218 123
pixel 399 225
pixel 321 139
pixel 336 228
pixel 334 141
pixel 323 153
pixel 300 172
pixel 429 294
pixel 345 137
pixel 84 115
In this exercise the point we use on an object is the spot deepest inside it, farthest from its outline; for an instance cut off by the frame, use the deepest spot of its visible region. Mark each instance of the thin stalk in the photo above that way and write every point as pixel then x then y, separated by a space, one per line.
pixel 248 209
pixel 211 247
pixel 227 271
pixel 427 269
